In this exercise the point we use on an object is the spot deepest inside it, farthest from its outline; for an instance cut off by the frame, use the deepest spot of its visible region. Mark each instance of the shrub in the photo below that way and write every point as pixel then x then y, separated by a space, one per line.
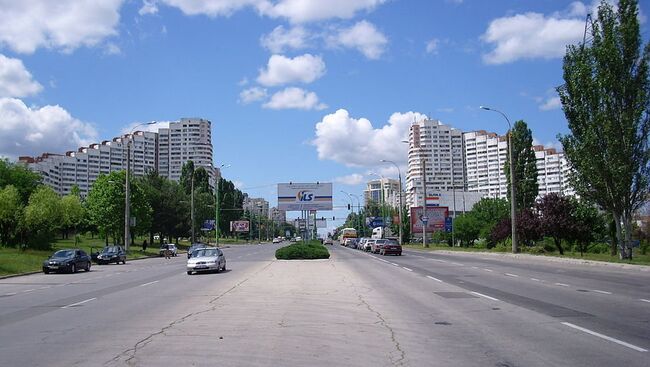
pixel 503 246
pixel 598 248
pixel 299 251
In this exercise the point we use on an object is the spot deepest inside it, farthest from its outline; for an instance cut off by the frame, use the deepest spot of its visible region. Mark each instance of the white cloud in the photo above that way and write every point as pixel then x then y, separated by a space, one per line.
pixel 15 79
pixel 252 94
pixel 300 11
pixel 531 35
pixel 148 7
pixel 280 39
pixel 211 8
pixel 63 24
pixel 31 131
pixel 283 70
pixel 552 103
pixel 432 46
pixel 112 49
pixel 141 127
pixel 356 143
pixel 294 98
pixel 353 179
pixel 362 36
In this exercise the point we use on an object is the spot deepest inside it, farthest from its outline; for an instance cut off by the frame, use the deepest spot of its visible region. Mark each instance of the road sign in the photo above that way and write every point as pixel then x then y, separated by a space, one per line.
pixel 424 219
pixel 374 222
pixel 448 224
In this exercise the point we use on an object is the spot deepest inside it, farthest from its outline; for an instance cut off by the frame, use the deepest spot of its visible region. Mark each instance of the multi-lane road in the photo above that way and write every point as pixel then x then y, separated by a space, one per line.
pixel 355 309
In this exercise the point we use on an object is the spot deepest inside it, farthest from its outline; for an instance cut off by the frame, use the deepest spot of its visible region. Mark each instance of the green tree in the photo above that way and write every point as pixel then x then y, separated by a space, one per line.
pixel 43 217
pixel 556 218
pixel 230 205
pixel 24 180
pixel 588 225
pixel 488 212
pixel 526 186
pixel 11 210
pixel 72 213
pixel 467 229
pixel 606 100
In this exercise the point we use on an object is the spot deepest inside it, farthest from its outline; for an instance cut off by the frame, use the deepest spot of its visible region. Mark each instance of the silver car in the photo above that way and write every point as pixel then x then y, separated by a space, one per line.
pixel 206 259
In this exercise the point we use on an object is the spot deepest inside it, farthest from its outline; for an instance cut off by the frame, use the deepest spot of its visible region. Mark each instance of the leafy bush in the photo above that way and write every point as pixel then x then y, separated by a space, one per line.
pixel 599 248
pixel 299 251
pixel 535 250
pixel 503 246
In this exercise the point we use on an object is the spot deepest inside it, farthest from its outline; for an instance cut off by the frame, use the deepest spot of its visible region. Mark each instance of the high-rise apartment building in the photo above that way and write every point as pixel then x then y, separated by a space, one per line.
pixel 384 190
pixel 440 148
pixel 277 215
pixel 257 206
pixel 165 151
pixel 552 171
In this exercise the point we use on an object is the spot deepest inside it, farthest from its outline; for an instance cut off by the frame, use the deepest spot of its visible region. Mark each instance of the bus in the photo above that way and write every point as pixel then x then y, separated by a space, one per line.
pixel 347 233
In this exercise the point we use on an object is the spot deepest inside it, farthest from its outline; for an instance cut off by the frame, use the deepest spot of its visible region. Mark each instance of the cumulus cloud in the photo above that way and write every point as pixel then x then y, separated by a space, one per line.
pixel 362 36
pixel 283 70
pixel 63 24
pixel 140 126
pixel 300 11
pixel 32 130
pixel 148 7
pixel 552 103
pixel 15 79
pixel 432 46
pixel 252 94
pixel 353 179
pixel 281 39
pixel 211 8
pixel 356 143
pixel 533 35
pixel 294 98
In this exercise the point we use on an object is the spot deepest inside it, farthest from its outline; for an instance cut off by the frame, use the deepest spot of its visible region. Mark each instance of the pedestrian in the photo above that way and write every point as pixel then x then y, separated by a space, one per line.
pixel 144 245
pixel 167 252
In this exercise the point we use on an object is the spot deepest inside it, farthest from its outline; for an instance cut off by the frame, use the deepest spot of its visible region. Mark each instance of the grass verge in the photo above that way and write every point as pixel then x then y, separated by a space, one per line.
pixel 302 251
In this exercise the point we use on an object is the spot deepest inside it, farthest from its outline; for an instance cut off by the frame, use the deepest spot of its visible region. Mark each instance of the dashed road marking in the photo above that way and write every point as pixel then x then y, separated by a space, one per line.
pixel 436 279
pixel 484 296
pixel 394 264
pixel 601 292
pixel 591 332
pixel 535 279
pixel 562 284
pixel 407 269
pixel 490 270
pixel 80 303
pixel 10 294
pixel 145 284
pixel 28 290
pixel 644 300
pixel 512 275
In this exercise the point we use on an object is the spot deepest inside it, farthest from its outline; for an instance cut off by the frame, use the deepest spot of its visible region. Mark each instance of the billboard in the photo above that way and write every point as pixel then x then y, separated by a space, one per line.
pixel 239 226
pixel 304 196
pixel 208 225
pixel 436 218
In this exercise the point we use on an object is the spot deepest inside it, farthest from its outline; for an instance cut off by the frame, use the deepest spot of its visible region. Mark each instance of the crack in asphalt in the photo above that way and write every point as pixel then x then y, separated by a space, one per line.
pixel 382 322
pixel 131 352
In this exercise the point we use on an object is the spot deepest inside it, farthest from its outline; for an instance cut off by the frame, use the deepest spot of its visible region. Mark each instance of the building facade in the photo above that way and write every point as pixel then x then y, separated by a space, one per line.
pixel 257 206
pixel 435 156
pixel 384 190
pixel 165 151
pixel 277 215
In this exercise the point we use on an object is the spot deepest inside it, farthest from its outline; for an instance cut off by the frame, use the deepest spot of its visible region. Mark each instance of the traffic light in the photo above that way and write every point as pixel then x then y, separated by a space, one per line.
pixel 333 218
pixel 348 206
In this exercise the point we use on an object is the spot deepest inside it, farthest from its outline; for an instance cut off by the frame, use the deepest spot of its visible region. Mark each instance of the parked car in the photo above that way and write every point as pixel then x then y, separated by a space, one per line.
pixel 391 247
pixel 328 241
pixel 194 247
pixel 377 245
pixel 351 242
pixel 172 248
pixel 367 246
pixel 277 240
pixel 206 259
pixel 362 242
pixel 111 254
pixel 69 260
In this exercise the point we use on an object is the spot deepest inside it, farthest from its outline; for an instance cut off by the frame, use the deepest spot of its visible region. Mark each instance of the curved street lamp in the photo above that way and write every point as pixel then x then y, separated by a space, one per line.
pixel 399 172
pixel 513 219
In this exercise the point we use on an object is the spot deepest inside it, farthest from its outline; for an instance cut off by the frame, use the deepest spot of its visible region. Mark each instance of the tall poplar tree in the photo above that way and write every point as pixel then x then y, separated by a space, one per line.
pixel 526 187
pixel 606 101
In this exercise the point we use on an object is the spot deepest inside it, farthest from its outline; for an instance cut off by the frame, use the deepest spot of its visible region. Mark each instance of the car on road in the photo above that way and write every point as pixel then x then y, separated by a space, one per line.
pixel 194 247
pixel 361 243
pixel 206 259
pixel 391 247
pixel 328 241
pixel 168 246
pixel 69 260
pixel 367 246
pixel 377 245
pixel 277 240
pixel 298 239
pixel 350 242
pixel 111 254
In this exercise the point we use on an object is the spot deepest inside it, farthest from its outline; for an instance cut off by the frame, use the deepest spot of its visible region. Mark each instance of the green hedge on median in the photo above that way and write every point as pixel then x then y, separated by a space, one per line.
pixel 299 251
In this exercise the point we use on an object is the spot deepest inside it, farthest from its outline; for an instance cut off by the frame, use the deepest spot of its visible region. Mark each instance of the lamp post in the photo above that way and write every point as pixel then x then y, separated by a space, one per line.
pixel 259 225
pixel 127 188
pixel 513 219
pixel 218 204
pixel 399 173
pixel 351 204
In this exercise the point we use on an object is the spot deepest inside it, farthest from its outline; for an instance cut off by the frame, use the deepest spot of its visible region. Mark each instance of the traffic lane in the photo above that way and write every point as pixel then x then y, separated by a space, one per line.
pixel 591 309
pixel 633 279
pixel 106 325
pixel 516 335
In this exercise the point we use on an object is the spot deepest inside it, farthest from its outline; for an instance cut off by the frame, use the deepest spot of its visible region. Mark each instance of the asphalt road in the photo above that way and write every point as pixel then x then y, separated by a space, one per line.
pixel 355 309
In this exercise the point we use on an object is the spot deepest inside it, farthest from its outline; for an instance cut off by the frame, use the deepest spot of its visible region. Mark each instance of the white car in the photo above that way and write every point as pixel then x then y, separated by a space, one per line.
pixel 173 250
pixel 206 259
pixel 277 240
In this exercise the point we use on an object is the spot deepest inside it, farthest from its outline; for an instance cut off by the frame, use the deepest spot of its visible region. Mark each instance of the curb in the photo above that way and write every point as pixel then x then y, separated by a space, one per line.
pixel 643 268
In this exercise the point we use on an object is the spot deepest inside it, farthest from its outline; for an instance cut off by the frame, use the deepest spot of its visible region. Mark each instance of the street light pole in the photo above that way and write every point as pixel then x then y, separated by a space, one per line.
pixel 217 206
pixel 127 188
pixel 513 218
pixel 192 205
pixel 399 172
pixel 351 206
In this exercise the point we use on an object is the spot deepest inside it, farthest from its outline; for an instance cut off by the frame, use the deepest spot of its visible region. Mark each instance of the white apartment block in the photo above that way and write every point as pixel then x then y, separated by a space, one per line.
pixel 165 151
pixel 440 147
pixel 257 206
pixel 277 215
pixel 485 154
pixel 552 171
pixel 384 190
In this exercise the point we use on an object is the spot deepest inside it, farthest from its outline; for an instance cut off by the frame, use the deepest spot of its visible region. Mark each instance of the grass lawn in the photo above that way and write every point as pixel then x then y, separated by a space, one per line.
pixel 15 261
pixel 637 259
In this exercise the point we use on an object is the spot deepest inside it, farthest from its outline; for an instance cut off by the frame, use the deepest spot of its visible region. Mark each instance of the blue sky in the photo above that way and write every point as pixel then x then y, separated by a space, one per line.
pixel 297 90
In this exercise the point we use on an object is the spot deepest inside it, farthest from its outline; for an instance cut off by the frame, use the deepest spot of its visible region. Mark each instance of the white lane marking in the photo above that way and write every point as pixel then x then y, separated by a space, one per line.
pixel 562 284
pixel 644 300
pixel 407 269
pixel 631 346
pixel 10 294
pixel 602 292
pixel 490 270
pixel 46 287
pixel 386 261
pixel 483 295
pixel 535 279
pixel 459 264
pixel 394 264
pixel 440 261
pixel 512 275
pixel 436 279
pixel 27 290
pixel 145 284
pixel 79 303
pixel 474 267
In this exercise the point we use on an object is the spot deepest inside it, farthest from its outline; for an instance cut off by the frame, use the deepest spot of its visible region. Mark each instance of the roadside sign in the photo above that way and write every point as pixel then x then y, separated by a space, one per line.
pixel 449 224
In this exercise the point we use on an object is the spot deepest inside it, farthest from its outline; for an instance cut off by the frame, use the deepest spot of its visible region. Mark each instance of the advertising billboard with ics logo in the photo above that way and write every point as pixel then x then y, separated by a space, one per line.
pixel 304 196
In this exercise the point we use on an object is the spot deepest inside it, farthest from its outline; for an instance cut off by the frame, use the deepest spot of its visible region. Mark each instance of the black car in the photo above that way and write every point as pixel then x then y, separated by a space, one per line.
pixel 112 254
pixel 69 260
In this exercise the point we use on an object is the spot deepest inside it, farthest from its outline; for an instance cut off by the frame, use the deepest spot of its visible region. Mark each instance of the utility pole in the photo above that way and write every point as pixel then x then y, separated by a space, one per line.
pixel 192 205
pixel 216 214
pixel 425 218
pixel 127 196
